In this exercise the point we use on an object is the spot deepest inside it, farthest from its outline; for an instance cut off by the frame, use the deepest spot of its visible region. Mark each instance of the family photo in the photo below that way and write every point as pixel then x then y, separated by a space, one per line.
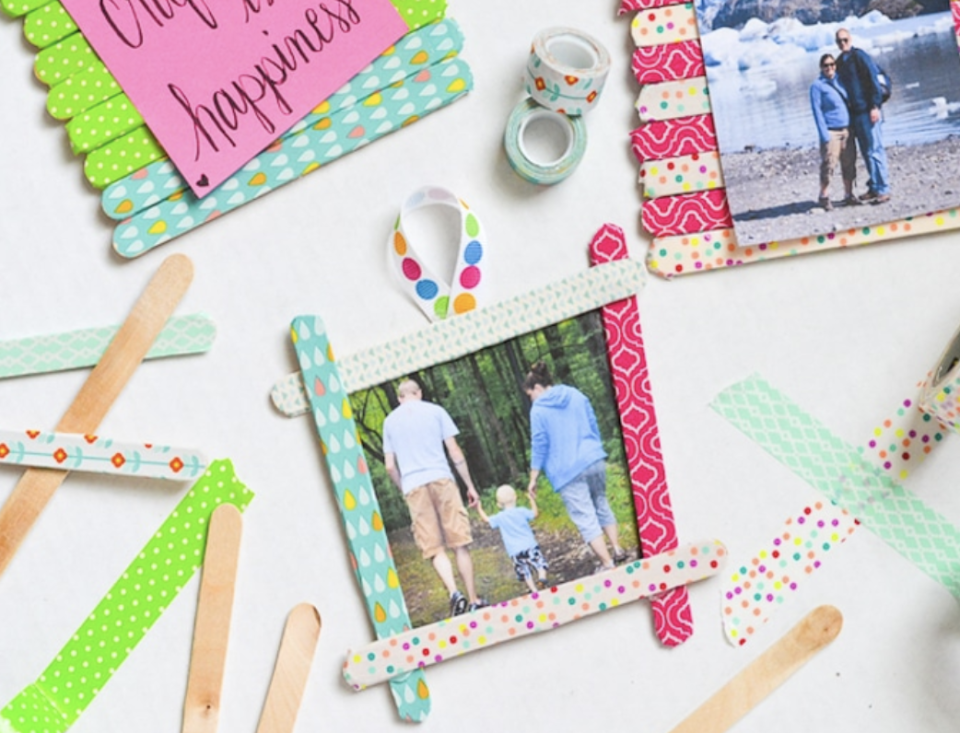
pixel 830 116
pixel 501 473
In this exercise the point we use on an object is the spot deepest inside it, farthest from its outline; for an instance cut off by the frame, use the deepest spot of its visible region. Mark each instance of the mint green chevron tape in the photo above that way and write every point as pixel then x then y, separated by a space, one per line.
pixel 388 110
pixel 359 510
pixel 823 460
pixel 193 334
pixel 128 611
pixel 48 25
pixel 411 54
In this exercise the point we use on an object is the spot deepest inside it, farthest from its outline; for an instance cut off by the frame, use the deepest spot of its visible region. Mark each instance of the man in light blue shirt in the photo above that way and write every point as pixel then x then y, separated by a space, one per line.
pixel 418 437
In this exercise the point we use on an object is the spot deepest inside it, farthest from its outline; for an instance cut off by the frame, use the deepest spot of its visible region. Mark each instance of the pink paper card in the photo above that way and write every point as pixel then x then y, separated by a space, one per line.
pixel 217 81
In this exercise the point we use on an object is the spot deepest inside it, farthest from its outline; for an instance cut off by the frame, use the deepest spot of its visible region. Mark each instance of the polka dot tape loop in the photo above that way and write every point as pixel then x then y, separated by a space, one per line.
pixel 436 296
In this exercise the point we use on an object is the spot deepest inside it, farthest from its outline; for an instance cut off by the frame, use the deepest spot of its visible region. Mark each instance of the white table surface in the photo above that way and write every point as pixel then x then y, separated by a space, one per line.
pixel 846 334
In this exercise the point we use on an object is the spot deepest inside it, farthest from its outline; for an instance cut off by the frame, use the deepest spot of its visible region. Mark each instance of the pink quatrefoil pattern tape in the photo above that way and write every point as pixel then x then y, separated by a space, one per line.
pixel 685 207
pixel 673 619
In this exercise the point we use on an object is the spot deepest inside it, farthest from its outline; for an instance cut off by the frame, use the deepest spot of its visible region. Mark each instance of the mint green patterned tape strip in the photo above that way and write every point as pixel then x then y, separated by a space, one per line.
pixel 384 112
pixel 128 611
pixel 456 337
pixel 823 460
pixel 410 55
pixel 359 510
pixel 193 334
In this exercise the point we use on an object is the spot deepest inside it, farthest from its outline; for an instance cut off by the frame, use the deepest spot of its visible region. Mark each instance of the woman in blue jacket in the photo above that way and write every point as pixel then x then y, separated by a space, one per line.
pixel 566 446
pixel 828 101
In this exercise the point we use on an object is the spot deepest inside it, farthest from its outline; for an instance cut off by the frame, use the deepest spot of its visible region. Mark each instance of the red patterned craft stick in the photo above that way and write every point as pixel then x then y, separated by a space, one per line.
pixel 629 6
pixel 668 62
pixel 687 213
pixel 672 138
pixel 641 439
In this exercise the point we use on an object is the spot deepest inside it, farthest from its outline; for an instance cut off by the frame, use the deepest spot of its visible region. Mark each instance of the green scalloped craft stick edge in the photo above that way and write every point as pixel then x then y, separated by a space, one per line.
pixel 48 25
pixel 359 509
pixel 103 123
pixel 182 335
pixel 18 8
pixel 122 157
pixel 80 92
pixel 823 460
pixel 66 58
pixel 127 612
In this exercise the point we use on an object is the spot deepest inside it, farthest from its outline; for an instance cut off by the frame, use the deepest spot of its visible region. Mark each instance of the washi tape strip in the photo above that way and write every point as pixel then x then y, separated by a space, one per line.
pixel 80 92
pixel 756 588
pixel 628 6
pixel 456 337
pixel 48 25
pixel 16 8
pixel 665 25
pixel 434 295
pixel 531 614
pixel 686 174
pixel 100 125
pixel 627 356
pixel 823 460
pixel 133 605
pixel 528 166
pixel 411 54
pixel 359 510
pixel 940 394
pixel 670 100
pixel 122 156
pixel 671 138
pixel 652 64
pixel 688 212
pixel 62 60
pixel 566 70
pixel 193 334
pixel 91 453
pixel 392 108
pixel 904 439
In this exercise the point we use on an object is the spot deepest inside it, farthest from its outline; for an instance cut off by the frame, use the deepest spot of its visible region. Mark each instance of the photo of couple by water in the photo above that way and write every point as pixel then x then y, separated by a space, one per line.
pixel 830 117
pixel 502 472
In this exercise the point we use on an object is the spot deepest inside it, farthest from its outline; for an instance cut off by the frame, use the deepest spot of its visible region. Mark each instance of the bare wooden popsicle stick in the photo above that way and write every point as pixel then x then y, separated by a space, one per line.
pixel 211 631
pixel 293 667
pixel 108 378
pixel 767 672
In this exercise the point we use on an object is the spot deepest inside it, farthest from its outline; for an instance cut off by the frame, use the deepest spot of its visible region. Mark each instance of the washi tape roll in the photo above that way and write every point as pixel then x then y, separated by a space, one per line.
pixel 940 396
pixel 527 158
pixel 566 70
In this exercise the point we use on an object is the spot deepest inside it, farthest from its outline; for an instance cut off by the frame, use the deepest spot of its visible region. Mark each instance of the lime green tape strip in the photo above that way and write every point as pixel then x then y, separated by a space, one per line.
pixel 122 157
pixel 418 13
pixel 64 59
pixel 81 92
pixel 16 8
pixel 80 670
pixel 98 126
pixel 48 25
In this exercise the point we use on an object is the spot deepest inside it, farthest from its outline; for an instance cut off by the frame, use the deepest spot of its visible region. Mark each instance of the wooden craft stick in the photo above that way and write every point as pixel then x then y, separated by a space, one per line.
pixel 767 672
pixel 290 674
pixel 103 386
pixel 211 631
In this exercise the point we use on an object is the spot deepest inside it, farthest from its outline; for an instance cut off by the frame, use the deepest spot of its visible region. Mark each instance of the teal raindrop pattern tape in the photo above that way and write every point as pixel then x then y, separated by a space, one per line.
pixel 193 334
pixel 128 611
pixel 359 510
pixel 823 460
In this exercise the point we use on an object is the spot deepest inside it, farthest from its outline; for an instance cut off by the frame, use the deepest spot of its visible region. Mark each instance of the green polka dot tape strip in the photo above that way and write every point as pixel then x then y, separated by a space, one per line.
pixel 823 460
pixel 670 100
pixel 102 124
pixel 47 25
pixel 456 337
pixel 94 454
pixel 685 174
pixel 359 510
pixel 436 296
pixel 193 334
pixel 128 611
pixel 530 614
pixel 409 56
pixel 661 26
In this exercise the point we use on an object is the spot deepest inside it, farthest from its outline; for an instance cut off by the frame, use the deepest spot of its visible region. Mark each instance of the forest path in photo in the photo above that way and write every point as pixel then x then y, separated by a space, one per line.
pixel 773 192
pixel 567 555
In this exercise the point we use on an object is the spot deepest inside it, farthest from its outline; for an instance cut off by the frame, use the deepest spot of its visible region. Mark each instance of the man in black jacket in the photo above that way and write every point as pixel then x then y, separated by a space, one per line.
pixel 858 73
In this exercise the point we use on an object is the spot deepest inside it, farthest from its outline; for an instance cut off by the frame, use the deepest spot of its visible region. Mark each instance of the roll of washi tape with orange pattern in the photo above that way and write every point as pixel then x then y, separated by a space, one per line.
pixel 566 70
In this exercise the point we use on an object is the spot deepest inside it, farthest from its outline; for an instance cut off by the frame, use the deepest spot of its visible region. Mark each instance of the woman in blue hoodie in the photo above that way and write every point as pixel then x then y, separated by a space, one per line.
pixel 566 446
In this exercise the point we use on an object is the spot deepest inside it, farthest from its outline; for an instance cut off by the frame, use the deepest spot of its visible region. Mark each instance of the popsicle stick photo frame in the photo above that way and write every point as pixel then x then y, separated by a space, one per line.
pixel 401 423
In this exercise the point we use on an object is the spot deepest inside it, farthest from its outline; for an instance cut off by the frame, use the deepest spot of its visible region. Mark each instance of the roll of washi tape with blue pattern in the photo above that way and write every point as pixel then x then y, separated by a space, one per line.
pixel 566 70
pixel 531 160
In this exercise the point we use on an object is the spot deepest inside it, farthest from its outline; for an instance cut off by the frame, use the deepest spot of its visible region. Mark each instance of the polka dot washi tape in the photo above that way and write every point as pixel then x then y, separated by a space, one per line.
pixel 436 296
pixel 566 70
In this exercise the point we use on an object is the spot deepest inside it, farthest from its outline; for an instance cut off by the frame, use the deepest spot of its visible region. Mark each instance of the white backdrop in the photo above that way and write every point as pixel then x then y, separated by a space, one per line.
pixel 846 334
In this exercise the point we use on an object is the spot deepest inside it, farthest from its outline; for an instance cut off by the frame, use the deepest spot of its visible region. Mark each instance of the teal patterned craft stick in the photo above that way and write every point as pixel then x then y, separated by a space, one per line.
pixel 388 110
pixel 193 334
pixel 359 510
pixel 91 453
pixel 127 612
pixel 823 460
pixel 412 53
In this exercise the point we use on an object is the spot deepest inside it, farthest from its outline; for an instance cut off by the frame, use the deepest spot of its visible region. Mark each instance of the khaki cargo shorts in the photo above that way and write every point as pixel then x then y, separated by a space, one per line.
pixel 439 517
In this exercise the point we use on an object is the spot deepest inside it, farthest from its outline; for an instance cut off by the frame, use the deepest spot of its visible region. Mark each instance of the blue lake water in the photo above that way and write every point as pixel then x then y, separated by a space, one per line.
pixel 769 107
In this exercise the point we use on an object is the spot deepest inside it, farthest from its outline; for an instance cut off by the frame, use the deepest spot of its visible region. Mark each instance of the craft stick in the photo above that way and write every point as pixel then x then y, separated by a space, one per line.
pixel 765 674
pixel 97 394
pixel 671 100
pixel 64 59
pixel 47 25
pixel 121 157
pixel 683 174
pixel 101 124
pixel 80 92
pixel 193 334
pixel 211 631
pixel 16 8
pixel 290 674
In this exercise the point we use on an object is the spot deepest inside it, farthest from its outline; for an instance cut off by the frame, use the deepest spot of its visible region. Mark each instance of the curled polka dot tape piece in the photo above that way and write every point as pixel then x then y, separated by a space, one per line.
pixel 428 645
pixel 566 70
pixel 940 396
pixel 436 296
